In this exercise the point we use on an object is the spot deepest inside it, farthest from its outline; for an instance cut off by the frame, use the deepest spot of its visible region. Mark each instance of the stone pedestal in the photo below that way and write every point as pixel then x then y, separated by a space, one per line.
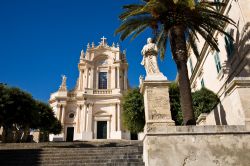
pixel 157 104
pixel 157 112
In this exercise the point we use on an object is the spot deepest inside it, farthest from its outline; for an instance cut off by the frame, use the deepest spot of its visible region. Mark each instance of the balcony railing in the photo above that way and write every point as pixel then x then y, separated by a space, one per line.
pixel 102 91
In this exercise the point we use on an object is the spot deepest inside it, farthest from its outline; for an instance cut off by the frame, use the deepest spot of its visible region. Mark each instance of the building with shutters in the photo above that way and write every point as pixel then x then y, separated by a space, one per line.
pixel 227 73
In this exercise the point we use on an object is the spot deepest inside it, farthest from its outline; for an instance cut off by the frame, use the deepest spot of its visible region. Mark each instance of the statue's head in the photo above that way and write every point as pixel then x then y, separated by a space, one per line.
pixel 149 40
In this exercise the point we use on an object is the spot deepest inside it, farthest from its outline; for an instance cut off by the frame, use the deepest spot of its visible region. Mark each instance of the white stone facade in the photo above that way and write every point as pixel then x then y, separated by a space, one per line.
pixel 227 72
pixel 92 110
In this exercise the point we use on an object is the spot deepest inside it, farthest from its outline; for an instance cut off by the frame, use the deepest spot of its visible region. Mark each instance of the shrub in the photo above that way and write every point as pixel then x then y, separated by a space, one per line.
pixel 204 101
pixel 133 115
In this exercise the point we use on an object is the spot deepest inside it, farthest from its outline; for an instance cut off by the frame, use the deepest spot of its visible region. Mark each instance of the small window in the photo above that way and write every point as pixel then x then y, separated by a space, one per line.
pixel 229 44
pixel 202 83
pixel 217 62
pixel 102 82
pixel 71 115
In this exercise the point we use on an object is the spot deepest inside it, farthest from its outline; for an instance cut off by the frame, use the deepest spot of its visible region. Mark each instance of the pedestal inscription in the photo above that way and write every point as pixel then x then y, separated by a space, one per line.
pixel 158 103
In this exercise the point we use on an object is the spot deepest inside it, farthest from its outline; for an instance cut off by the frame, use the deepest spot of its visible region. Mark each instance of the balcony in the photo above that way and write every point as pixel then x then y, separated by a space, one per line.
pixel 102 91
pixel 89 91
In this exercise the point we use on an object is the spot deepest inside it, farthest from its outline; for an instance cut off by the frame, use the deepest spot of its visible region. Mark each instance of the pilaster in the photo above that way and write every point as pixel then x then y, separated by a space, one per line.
pixel 91 77
pixel 89 117
pixel 63 114
pixel 125 79
pixel 118 77
pixel 118 117
pixel 78 116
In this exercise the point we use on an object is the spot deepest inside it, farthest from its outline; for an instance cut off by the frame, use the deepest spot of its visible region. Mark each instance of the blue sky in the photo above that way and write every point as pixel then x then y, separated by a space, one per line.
pixel 41 39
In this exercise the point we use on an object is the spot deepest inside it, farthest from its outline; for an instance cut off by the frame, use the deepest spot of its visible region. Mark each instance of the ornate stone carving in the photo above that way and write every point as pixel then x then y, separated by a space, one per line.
pixel 63 86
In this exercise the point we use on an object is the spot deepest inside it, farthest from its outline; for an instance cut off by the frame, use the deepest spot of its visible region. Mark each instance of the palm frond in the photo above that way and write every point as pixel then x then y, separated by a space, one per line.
pixel 193 44
pixel 161 41
pixel 197 18
pixel 134 26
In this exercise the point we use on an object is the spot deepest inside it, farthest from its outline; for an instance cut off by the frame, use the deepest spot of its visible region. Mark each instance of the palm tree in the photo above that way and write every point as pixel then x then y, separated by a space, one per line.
pixel 178 21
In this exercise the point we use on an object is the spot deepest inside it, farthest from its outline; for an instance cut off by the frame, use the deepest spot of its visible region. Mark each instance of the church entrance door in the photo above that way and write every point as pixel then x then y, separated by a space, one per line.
pixel 70 134
pixel 101 129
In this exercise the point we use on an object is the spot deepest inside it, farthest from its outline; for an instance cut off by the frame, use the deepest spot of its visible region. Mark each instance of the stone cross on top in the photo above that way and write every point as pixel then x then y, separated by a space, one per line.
pixel 104 41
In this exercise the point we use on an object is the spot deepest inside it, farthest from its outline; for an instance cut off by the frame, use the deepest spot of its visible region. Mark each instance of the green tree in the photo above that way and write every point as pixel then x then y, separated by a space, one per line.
pixel 17 111
pixel 5 117
pixel 133 115
pixel 176 21
pixel 175 107
pixel 204 100
pixel 48 123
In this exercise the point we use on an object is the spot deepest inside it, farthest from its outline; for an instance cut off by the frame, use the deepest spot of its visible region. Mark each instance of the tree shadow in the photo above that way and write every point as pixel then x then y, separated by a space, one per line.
pixel 238 64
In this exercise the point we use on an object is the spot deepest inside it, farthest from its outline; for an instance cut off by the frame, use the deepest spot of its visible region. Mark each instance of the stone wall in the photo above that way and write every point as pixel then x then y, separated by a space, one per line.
pixel 198 145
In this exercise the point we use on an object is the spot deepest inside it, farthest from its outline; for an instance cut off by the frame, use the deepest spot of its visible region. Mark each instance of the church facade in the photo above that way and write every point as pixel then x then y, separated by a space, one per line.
pixel 92 110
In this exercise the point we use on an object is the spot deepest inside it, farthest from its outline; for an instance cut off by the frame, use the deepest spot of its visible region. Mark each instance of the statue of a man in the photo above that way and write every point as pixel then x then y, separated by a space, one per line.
pixel 149 61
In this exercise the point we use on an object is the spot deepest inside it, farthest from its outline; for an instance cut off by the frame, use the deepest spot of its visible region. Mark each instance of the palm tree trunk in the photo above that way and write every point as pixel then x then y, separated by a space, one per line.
pixel 179 51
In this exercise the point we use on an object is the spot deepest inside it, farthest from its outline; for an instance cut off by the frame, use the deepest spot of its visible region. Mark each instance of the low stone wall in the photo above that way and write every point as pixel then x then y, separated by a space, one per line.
pixel 197 145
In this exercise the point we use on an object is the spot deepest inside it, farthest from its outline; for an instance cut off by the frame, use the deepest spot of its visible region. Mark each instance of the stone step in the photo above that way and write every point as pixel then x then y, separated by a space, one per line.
pixel 72 150
pixel 67 157
pixel 66 154
pixel 87 144
pixel 59 162
pixel 63 161
pixel 44 154
pixel 79 164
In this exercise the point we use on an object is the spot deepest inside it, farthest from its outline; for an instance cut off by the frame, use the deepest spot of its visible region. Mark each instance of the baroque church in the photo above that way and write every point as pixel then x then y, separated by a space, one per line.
pixel 92 110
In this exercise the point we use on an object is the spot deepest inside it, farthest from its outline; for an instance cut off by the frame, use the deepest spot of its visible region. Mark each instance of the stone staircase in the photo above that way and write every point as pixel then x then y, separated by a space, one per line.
pixel 94 153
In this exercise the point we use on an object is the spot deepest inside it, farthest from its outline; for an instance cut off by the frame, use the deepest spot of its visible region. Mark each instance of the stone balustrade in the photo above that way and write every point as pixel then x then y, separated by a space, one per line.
pixel 102 91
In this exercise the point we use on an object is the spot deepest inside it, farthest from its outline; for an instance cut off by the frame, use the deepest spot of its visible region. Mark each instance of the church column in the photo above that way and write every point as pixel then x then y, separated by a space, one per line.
pixel 91 78
pixel 89 118
pixel 118 117
pixel 118 78
pixel 97 78
pixel 125 79
pixel 58 111
pixel 63 114
pixel 113 78
pixel 84 117
pixel 87 78
pixel 80 80
pixel 78 116
pixel 109 78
